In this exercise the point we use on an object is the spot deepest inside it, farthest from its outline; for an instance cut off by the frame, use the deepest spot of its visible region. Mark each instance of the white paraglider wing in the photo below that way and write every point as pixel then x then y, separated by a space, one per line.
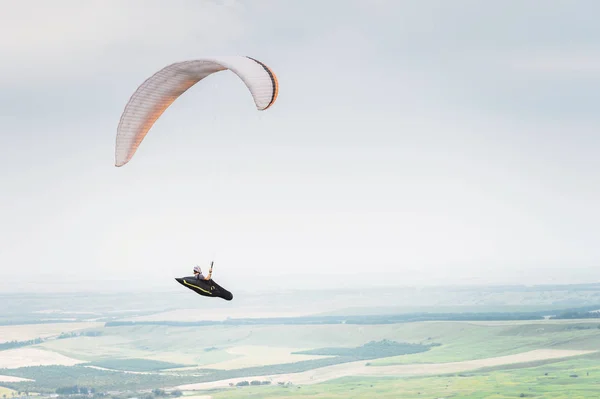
pixel 157 93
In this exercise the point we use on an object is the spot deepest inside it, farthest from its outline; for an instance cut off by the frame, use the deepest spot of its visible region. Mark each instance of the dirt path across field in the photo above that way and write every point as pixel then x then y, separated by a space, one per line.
pixel 359 369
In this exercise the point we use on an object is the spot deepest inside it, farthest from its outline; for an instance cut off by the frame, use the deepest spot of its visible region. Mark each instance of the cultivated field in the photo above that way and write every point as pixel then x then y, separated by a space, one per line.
pixel 568 379
pixel 250 356
pixel 26 357
pixel 230 347
pixel 32 331
pixel 348 359
pixel 208 346
pixel 356 369
pixel 5 392
pixel 468 340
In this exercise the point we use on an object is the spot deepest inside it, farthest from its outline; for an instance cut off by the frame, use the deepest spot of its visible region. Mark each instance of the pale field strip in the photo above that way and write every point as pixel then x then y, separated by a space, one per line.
pixel 27 332
pixel 29 356
pixel 61 311
pixel 359 368
pixel 122 371
pixel 251 355
pixel 142 372
pixel 10 378
pixel 130 372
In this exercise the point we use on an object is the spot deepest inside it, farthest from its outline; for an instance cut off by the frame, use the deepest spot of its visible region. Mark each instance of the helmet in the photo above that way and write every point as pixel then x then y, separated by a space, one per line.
pixel 197 269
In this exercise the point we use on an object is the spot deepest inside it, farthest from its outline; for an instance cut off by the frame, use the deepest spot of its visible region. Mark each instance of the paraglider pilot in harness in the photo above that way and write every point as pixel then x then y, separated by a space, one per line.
pixel 204 285
pixel 199 276
pixel 198 272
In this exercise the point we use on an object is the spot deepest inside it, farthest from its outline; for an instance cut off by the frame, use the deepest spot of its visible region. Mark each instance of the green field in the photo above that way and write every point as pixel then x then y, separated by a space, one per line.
pixel 162 353
pixel 48 378
pixel 190 345
pixel 125 359
pixel 560 380
pixel 467 341
pixel 6 392
pixel 164 344
pixel 457 341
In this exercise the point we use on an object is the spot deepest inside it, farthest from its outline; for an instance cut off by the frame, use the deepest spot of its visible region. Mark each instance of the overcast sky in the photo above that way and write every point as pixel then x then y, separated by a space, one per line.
pixel 412 142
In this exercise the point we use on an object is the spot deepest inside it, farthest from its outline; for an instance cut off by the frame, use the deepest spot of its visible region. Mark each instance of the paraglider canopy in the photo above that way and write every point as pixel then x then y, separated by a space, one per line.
pixel 157 93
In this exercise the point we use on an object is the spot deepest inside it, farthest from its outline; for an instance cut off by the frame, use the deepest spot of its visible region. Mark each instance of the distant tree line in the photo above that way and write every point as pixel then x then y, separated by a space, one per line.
pixel 248 383
pixel 323 320
pixel 582 312
pixel 576 315
pixel 160 393
pixel 18 344
pixel 75 390
pixel 80 334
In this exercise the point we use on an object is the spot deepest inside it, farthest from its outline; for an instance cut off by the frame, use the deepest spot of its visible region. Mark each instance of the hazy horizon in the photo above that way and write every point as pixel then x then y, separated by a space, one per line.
pixel 412 143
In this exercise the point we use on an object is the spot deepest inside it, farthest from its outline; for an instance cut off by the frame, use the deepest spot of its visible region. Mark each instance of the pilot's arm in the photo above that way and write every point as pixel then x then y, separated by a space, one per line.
pixel 209 273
